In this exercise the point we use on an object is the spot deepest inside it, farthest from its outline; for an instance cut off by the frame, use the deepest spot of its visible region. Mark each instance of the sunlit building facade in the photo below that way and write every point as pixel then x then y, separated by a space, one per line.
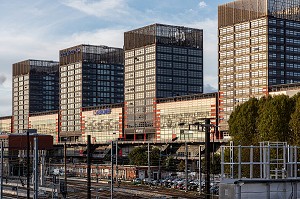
pixel 35 89
pixel 102 123
pixel 177 117
pixel 160 61
pixel 181 117
pixel 5 124
pixel 45 123
pixel 258 48
pixel 89 76
pixel 285 89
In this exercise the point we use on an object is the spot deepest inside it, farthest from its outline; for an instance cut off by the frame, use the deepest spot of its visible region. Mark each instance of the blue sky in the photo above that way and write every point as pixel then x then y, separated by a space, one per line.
pixel 38 29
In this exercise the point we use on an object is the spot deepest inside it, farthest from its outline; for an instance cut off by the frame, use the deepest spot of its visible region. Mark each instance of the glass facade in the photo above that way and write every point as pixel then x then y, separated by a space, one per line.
pixel 179 71
pixel 5 124
pixel 177 116
pixel 140 88
pixel 257 49
pixel 35 89
pixel 45 123
pixel 104 124
pixel 160 61
pixel 89 76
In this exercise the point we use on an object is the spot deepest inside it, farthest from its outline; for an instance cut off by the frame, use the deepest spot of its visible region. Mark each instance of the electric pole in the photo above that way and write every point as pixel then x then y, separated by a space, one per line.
pixel 207 158
pixel 112 170
pixel 89 166
pixel 186 166
pixel 149 171
pixel 36 168
pixel 28 166
pixel 2 154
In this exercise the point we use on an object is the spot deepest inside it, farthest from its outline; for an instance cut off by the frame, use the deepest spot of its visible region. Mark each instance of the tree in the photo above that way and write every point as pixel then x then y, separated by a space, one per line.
pixel 242 122
pixel 139 156
pixel 295 124
pixel 155 156
pixel 169 163
pixel 273 119
pixel 181 166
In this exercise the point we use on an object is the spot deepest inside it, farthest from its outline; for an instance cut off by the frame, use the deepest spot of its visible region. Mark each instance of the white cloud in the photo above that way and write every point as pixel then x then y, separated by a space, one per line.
pixel 202 4
pixel 109 36
pixel 102 8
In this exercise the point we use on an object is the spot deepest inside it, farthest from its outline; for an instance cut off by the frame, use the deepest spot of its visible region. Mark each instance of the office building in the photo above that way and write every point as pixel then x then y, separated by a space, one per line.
pixel 177 117
pixel 89 76
pixel 258 47
pixel 160 61
pixel 35 89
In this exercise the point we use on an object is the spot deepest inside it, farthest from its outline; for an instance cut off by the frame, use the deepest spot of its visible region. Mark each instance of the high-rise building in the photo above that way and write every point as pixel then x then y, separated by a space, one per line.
pixel 258 47
pixel 160 61
pixel 89 76
pixel 35 89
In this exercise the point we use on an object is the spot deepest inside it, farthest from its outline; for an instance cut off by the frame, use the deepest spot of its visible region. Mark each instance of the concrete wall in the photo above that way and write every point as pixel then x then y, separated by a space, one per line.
pixel 268 190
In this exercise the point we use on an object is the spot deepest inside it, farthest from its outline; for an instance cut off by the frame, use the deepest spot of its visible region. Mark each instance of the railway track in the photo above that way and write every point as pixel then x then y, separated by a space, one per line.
pixel 78 189
pixel 126 190
pixel 11 196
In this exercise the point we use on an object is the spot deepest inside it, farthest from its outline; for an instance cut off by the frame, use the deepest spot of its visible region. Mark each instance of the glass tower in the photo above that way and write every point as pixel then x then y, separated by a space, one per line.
pixel 89 76
pixel 258 47
pixel 35 89
pixel 160 61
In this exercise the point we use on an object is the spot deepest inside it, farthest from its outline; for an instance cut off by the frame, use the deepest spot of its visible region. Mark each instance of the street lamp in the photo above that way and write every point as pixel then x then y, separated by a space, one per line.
pixel 198 124
pixel 207 127
pixel 186 158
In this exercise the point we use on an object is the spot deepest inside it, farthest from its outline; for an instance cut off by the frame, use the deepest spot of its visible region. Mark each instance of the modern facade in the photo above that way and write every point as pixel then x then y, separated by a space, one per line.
pixel 285 89
pixel 35 89
pixel 160 61
pixel 181 117
pixel 103 123
pixel 89 76
pixel 177 117
pixel 6 124
pixel 46 123
pixel 258 47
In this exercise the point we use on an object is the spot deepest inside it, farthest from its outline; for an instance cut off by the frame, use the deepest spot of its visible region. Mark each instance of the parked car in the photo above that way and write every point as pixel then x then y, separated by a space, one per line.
pixel 137 181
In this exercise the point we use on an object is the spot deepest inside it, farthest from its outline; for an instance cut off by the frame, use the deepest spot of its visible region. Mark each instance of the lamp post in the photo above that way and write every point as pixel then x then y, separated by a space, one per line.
pixel 159 167
pixel 112 171
pixel 186 165
pixel 207 158
pixel 207 127
pixel 1 170
pixel 149 171
pixel 186 158
pixel 200 180
pixel 89 166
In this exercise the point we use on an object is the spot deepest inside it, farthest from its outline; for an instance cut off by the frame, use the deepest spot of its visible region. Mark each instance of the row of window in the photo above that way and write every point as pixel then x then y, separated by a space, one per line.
pixel 175 50
pixel 243 26
pixel 180 58
pixel 243 40
pixel 75 106
pixel 293 65
pixel 295 74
